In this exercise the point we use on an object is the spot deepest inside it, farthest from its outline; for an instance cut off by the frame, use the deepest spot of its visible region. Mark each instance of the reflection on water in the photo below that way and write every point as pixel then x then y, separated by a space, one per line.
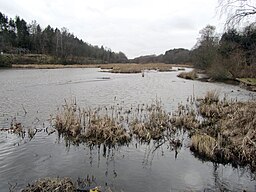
pixel 137 167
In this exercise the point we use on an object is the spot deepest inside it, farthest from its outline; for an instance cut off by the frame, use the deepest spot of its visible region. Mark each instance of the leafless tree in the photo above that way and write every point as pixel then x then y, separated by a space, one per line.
pixel 237 11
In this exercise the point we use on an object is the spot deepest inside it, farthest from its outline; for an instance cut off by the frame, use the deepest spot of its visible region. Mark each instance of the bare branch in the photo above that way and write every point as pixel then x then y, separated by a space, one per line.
pixel 237 11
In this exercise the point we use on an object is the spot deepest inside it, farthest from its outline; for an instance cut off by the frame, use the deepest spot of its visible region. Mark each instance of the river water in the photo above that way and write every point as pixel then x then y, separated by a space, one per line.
pixel 31 96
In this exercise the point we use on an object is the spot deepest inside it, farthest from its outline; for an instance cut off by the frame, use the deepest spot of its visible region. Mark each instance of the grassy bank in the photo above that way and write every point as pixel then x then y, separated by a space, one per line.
pixel 248 83
pixel 53 66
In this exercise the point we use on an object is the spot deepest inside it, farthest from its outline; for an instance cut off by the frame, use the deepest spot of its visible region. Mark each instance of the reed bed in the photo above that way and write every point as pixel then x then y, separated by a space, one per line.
pixel 221 130
pixel 150 123
pixel 113 125
pixel 93 126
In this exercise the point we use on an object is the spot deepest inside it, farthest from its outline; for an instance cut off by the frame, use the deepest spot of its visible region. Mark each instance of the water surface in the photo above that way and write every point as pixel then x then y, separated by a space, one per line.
pixel 127 168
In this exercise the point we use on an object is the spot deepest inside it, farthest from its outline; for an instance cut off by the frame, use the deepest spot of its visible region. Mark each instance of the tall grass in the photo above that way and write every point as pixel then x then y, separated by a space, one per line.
pixel 221 130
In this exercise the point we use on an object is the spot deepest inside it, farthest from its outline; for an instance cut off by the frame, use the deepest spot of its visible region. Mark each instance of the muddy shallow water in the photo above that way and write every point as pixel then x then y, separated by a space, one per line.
pixel 127 168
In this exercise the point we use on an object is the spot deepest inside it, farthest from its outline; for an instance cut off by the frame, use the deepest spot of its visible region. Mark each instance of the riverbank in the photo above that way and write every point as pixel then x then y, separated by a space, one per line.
pixel 246 83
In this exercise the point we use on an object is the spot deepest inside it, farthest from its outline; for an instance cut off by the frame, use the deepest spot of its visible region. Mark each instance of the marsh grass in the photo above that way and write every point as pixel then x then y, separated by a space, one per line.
pixel 66 184
pixel 51 184
pixel 115 125
pixel 221 130
pixel 203 144
pixel 137 68
pixel 150 123
pixel 93 126
pixel 188 75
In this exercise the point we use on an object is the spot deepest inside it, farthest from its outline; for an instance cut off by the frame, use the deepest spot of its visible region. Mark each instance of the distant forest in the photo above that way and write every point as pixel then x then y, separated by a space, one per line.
pixel 172 56
pixel 19 37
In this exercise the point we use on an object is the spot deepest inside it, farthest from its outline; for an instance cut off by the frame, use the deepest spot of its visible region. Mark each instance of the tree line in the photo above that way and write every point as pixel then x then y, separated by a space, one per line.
pixel 172 56
pixel 231 55
pixel 19 37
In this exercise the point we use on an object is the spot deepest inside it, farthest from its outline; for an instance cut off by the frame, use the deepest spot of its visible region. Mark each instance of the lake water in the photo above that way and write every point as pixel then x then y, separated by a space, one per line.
pixel 127 168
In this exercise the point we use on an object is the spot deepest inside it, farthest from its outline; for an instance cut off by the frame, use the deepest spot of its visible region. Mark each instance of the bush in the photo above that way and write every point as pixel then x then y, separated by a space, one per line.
pixel 5 61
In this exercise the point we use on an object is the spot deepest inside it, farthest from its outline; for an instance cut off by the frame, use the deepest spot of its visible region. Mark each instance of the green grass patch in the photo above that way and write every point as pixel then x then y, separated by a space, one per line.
pixel 248 81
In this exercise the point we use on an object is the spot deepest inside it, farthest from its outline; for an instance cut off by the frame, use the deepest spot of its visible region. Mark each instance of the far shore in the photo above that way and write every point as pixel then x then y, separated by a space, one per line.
pixel 114 68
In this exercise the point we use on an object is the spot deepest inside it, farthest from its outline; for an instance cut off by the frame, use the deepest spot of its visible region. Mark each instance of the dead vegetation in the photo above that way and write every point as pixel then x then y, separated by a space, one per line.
pixel 15 128
pixel 93 126
pixel 138 68
pixel 51 184
pixel 151 122
pixel 114 125
pixel 66 184
pixel 221 130
pixel 188 75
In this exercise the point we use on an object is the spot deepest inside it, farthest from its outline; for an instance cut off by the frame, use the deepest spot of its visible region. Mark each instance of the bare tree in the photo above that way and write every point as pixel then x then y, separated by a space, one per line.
pixel 237 11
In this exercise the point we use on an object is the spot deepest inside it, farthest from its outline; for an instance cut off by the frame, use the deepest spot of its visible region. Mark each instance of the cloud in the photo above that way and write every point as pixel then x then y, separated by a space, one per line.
pixel 131 26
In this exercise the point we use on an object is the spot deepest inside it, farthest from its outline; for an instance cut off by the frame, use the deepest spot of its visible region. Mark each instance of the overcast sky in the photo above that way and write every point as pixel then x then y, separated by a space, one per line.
pixel 135 27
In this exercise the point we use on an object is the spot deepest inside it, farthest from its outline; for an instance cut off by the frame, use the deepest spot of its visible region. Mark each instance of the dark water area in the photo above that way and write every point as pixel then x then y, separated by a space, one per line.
pixel 31 96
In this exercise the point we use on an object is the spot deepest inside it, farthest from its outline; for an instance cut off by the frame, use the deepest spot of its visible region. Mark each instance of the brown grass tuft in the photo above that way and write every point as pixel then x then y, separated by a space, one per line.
pixel 188 75
pixel 51 184
pixel 90 126
pixel 225 131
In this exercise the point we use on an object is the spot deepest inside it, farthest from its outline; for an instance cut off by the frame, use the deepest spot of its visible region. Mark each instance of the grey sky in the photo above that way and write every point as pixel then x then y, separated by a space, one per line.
pixel 135 27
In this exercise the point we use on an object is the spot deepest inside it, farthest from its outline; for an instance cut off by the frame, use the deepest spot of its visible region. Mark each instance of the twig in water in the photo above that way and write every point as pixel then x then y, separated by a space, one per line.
pixel 24 109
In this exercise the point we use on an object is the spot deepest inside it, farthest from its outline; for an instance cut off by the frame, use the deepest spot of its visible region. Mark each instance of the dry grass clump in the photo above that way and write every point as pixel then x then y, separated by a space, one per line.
pixel 220 130
pixel 188 75
pixel 51 184
pixel 226 131
pixel 204 144
pixel 185 117
pixel 151 123
pixel 90 126
pixel 110 125
pixel 211 97
pixel 106 130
